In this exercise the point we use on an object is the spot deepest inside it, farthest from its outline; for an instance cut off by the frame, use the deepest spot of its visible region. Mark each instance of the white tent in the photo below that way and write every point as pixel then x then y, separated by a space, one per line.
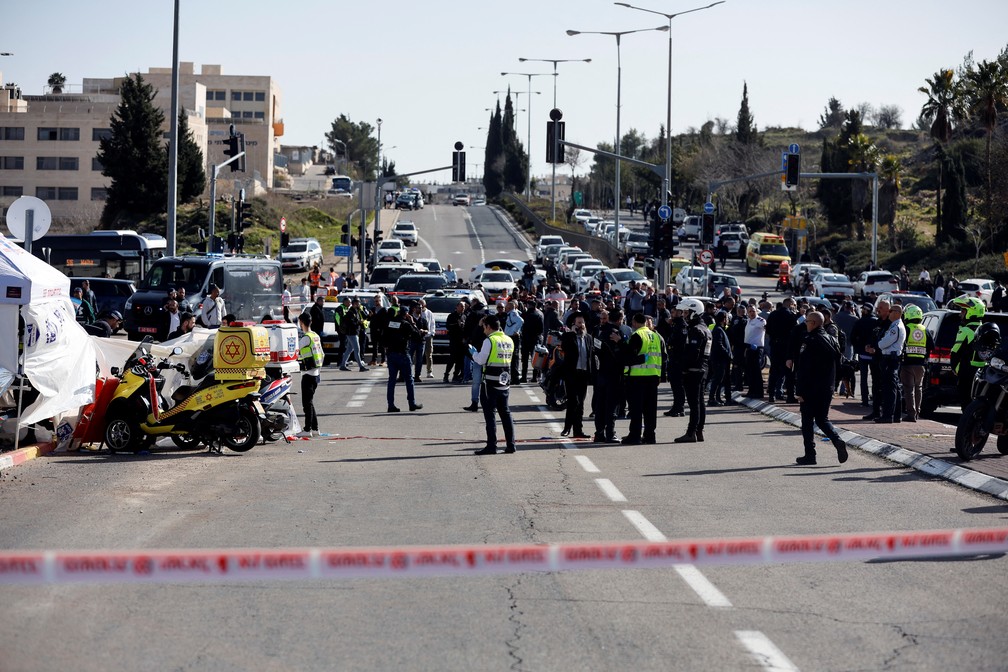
pixel 58 356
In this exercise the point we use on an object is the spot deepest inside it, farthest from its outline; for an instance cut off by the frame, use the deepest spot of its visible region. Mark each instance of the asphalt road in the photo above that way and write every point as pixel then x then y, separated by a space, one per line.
pixel 403 479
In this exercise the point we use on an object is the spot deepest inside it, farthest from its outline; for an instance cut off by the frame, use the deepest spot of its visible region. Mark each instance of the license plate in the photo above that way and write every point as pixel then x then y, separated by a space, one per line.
pixel 258 407
pixel 147 330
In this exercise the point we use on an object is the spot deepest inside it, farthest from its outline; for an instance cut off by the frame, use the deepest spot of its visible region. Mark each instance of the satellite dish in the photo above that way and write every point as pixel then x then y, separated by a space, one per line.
pixel 17 215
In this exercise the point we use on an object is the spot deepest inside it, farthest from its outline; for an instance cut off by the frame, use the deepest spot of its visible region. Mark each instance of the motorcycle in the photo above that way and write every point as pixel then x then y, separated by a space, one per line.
pixel 274 395
pixel 783 283
pixel 988 412
pixel 215 413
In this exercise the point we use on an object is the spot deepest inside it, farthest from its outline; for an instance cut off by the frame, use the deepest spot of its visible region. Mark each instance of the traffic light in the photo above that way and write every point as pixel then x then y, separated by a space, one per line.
pixel 458 166
pixel 555 151
pixel 284 239
pixel 231 147
pixel 707 229
pixel 239 165
pixel 793 172
pixel 668 236
pixel 244 215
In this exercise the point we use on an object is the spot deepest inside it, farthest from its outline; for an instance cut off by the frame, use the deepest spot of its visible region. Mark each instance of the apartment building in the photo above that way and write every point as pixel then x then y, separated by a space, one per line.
pixel 49 143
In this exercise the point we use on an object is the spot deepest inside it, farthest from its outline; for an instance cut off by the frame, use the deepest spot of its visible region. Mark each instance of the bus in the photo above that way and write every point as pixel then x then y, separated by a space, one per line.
pixel 116 254
pixel 342 186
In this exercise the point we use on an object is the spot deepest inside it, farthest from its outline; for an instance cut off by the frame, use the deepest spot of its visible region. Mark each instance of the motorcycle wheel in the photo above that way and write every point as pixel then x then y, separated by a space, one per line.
pixel 185 441
pixel 970 434
pixel 1002 444
pixel 121 434
pixel 246 432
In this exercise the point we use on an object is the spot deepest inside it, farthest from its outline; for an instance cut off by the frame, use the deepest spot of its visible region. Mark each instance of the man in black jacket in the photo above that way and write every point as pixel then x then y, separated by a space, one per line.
pixel 720 361
pixel 778 330
pixel 608 377
pixel 695 357
pixel 861 337
pixel 455 326
pixel 675 345
pixel 817 365
pixel 532 332
pixel 474 340
pixel 576 369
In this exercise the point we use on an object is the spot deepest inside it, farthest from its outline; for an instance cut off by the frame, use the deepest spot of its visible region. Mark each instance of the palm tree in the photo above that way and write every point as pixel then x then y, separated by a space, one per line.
pixel 57 81
pixel 864 157
pixel 942 106
pixel 986 90
pixel 890 172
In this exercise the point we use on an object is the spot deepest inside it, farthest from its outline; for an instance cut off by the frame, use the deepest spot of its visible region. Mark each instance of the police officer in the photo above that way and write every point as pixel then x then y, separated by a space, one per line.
pixel 815 370
pixel 694 369
pixel 915 354
pixel 965 362
pixel 398 333
pixel 676 343
pixel 495 356
pixel 643 355
pixel 608 376
pixel 890 348
pixel 311 357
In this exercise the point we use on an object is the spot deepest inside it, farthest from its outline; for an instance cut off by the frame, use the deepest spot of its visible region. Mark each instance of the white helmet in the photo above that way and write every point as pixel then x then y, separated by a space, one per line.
pixel 694 306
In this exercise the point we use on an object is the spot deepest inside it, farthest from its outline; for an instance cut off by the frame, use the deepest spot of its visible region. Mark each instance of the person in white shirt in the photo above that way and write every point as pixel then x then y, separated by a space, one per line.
pixel 212 311
pixel 285 300
pixel 559 296
pixel 939 296
pixel 428 355
pixel 304 297
pixel 755 332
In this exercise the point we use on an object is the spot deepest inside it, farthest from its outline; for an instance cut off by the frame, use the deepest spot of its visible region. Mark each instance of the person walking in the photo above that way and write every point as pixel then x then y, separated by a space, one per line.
pixel 755 332
pixel 398 333
pixel 455 326
pixel 815 370
pixel 642 353
pixel 576 371
pixel 495 356
pixel 311 357
pixel 916 352
pixel 694 367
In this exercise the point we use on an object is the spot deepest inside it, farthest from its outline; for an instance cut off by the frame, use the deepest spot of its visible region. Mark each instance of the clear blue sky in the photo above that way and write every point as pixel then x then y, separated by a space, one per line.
pixel 429 69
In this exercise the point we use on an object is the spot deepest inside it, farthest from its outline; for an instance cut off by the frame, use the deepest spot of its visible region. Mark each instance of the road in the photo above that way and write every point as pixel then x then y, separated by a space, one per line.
pixel 407 479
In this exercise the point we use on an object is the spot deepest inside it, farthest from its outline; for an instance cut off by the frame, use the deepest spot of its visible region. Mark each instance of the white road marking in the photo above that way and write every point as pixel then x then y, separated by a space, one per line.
pixel 355 404
pixel 555 427
pixel 764 651
pixel 534 399
pixel 586 464
pixel 644 526
pixel 478 241
pixel 610 490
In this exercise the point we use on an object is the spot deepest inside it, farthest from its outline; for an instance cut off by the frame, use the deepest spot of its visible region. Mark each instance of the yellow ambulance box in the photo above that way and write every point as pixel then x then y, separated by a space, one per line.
pixel 765 253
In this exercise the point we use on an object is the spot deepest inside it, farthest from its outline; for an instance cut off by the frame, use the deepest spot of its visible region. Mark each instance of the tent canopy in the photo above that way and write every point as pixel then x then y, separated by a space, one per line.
pixel 26 279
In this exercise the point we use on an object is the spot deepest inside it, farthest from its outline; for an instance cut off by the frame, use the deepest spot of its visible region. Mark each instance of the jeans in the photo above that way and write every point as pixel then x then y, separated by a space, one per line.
pixel 815 410
pixel 912 378
pixel 416 351
pixel 308 386
pixel 495 399
pixel 351 345
pixel 719 381
pixel 477 378
pixel 399 363
pixel 864 365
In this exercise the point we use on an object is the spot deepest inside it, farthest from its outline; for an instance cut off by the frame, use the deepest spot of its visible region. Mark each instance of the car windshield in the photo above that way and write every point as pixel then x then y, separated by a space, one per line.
pixel 405 226
pixel 296 247
pixel 387 275
pixel 496 276
pixel 834 277
pixel 420 283
pixel 441 304
pixel 175 275
pixel 431 264
pixel 637 237
pixel 390 244
pixel 774 249
pixel 625 274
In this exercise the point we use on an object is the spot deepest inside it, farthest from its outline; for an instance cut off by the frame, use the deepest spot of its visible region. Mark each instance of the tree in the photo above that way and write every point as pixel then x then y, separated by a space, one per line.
pixel 943 104
pixel 515 172
pixel 493 158
pixel 890 174
pixel 986 90
pixel 889 117
pixel 57 81
pixel 191 172
pixel 745 126
pixel 863 157
pixel 361 145
pixel 833 115
pixel 956 211
pixel 132 156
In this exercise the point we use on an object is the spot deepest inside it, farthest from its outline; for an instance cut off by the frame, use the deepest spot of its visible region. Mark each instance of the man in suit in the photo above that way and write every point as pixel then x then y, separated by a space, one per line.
pixel 576 346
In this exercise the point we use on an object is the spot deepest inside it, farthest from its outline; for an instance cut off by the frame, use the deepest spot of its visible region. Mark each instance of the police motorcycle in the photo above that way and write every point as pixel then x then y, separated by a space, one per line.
pixel 215 412
pixel 988 412
pixel 274 395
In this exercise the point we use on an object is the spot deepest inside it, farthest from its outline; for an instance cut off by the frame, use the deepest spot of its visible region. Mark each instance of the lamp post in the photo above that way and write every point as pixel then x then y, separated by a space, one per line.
pixel 668 112
pixel 528 156
pixel 346 154
pixel 619 84
pixel 377 225
pixel 554 61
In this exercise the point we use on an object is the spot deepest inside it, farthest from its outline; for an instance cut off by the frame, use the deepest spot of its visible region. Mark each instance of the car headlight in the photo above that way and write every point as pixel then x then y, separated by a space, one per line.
pixel 129 303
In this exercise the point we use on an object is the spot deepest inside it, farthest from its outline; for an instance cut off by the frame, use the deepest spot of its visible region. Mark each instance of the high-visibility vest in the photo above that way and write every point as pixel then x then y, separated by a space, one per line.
pixel 311 350
pixel 915 350
pixel 499 361
pixel 651 349
pixel 964 338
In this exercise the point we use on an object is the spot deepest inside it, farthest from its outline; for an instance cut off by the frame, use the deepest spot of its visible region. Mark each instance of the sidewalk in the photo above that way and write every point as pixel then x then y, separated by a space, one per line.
pixel 925 445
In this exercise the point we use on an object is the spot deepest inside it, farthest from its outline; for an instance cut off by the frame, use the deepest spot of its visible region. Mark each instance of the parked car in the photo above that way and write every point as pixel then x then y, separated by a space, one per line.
pixel 833 286
pixel 513 266
pixel 390 249
pixel 110 293
pixel 690 228
pixel 581 216
pixel 919 299
pixel 735 243
pixel 940 383
pixel 494 283
pixel 798 269
pixel 415 285
pixel 873 283
pixel 406 201
pixel 460 199
pixel 384 275
pixel 717 282
pixel 544 242
pixel 690 280
pixel 431 264
pixel 406 231
pixel 443 302
pixel 587 275
pixel 301 254
pixel 637 243
pixel 479 200
pixel 981 288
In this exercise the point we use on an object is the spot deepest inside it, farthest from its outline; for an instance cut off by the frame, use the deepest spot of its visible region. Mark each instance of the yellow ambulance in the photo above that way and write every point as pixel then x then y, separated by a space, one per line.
pixel 765 252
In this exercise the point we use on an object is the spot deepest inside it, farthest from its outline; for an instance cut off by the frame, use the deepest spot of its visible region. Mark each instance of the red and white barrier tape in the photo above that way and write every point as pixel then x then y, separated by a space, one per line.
pixel 177 566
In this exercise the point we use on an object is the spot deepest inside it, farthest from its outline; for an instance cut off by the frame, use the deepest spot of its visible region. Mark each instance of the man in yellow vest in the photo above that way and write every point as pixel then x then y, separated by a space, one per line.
pixel 495 357
pixel 311 357
pixel 643 357
pixel 916 351
pixel 965 362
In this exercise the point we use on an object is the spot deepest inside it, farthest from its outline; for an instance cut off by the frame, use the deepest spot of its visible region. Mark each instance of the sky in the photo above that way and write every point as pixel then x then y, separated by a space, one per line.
pixel 429 69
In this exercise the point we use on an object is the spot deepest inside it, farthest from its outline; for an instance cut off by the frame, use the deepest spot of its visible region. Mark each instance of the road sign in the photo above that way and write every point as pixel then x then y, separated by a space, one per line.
pixel 283 225
pixel 342 251
pixel 706 257
pixel 578 198
pixel 708 208
pixel 18 217
pixel 664 212
pixel 793 148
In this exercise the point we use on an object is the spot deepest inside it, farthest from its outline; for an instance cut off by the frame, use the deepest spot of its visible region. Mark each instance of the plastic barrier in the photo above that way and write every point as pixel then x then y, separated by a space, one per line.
pixel 215 566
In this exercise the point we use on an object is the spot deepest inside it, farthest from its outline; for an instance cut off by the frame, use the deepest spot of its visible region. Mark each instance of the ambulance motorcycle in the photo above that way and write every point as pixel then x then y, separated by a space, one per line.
pixel 213 412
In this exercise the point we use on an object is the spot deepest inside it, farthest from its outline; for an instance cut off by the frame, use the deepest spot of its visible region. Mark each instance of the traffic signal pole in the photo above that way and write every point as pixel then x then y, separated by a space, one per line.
pixel 214 172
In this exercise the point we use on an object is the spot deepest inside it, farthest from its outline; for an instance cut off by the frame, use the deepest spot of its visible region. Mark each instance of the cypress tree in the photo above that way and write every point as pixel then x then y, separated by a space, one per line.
pixel 745 129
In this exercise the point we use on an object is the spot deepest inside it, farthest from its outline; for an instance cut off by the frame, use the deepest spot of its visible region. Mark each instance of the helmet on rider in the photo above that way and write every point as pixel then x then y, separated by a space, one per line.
pixel 694 306
pixel 913 313
pixel 988 339
pixel 973 306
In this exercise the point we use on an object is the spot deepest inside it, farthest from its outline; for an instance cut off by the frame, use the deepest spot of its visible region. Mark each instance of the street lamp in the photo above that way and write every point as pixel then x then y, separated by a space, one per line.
pixel 554 61
pixel 619 86
pixel 346 154
pixel 668 113
pixel 528 156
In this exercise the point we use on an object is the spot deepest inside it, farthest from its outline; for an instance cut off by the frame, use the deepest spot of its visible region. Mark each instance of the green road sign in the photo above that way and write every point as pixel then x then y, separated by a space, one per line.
pixel 577 198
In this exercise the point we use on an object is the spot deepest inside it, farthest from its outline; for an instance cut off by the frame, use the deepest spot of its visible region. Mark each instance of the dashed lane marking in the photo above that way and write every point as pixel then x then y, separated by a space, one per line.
pixel 610 490
pixel 586 464
pixel 764 651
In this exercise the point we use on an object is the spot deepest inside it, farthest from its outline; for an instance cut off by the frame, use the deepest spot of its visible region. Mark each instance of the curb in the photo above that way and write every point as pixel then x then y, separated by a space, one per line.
pixel 22 455
pixel 931 466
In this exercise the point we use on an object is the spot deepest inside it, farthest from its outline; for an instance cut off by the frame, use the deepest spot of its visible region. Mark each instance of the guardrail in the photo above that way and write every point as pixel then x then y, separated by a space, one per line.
pixel 597 247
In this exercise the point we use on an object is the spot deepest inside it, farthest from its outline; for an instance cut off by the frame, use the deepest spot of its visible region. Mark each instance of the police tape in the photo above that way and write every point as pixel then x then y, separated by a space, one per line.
pixel 228 565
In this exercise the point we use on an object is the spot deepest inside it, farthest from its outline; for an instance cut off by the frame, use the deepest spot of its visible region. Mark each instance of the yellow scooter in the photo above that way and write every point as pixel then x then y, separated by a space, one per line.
pixel 215 412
